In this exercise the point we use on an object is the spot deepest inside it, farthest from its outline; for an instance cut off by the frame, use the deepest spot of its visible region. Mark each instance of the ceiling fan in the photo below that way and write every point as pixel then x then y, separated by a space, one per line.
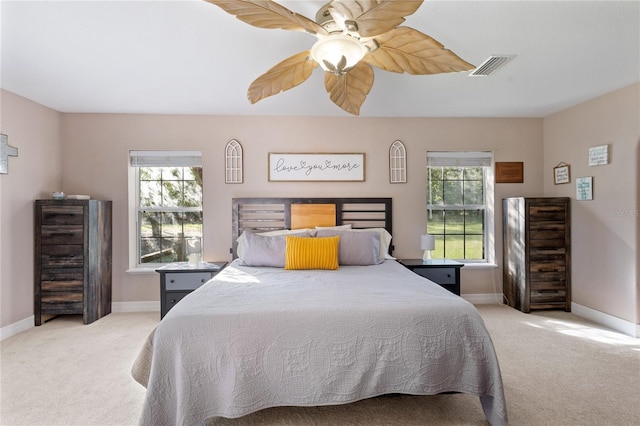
pixel 353 36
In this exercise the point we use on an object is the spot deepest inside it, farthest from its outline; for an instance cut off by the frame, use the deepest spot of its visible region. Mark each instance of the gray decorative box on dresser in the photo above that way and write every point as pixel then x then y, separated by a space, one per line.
pixel 537 253
pixel 72 265
pixel 180 278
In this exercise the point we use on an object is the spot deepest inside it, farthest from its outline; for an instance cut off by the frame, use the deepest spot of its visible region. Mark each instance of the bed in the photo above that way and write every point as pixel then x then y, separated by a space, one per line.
pixel 261 334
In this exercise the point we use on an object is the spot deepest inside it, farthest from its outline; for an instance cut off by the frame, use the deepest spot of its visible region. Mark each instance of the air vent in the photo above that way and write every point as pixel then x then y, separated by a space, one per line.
pixel 491 65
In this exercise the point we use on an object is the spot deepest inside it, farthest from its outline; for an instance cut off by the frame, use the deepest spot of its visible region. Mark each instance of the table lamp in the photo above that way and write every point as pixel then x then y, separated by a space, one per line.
pixel 427 243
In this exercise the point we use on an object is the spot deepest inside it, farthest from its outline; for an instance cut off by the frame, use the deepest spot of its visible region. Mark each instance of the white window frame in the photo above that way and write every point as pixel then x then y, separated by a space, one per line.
pixel 150 158
pixel 477 158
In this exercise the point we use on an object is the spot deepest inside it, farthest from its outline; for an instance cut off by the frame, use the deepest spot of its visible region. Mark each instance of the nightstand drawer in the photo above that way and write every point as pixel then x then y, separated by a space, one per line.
pixel 171 298
pixel 438 275
pixel 186 281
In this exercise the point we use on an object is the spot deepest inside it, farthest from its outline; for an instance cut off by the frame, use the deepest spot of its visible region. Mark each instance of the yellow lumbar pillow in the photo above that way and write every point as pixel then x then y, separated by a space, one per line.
pixel 312 253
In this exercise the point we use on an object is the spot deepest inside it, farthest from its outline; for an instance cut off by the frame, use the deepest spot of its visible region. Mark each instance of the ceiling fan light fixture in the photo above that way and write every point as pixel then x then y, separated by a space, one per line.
pixel 338 53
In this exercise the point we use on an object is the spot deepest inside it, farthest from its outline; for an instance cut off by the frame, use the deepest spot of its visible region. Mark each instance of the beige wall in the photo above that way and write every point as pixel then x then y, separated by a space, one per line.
pixel 87 154
pixel 96 150
pixel 605 230
pixel 35 173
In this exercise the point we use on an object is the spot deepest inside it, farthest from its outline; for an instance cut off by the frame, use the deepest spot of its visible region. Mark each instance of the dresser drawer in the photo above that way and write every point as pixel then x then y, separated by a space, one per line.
pixel 62 256
pixel 548 296
pixel 186 281
pixel 438 275
pixel 62 215
pixel 550 278
pixel 548 242
pixel 62 274
pixel 74 286
pixel 62 234
pixel 548 253
pixel 62 279
pixel 548 265
pixel 547 213
pixel 61 302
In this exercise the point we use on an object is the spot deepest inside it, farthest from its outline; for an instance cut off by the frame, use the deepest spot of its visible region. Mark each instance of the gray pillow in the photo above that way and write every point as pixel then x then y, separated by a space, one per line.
pixel 266 250
pixel 261 250
pixel 356 248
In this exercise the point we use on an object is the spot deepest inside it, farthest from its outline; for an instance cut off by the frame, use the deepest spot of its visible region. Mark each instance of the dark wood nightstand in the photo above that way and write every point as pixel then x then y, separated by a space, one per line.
pixel 441 271
pixel 179 279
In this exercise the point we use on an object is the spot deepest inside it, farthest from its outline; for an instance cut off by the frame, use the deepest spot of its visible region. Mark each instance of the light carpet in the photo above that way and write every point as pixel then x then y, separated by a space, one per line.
pixel 557 368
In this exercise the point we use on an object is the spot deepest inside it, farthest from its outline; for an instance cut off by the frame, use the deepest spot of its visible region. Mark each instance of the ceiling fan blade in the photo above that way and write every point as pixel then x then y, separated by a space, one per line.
pixel 350 90
pixel 376 17
pixel 284 76
pixel 407 50
pixel 268 14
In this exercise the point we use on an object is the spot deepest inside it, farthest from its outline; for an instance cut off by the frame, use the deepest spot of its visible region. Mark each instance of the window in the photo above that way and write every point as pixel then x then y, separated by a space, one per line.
pixel 459 200
pixel 166 201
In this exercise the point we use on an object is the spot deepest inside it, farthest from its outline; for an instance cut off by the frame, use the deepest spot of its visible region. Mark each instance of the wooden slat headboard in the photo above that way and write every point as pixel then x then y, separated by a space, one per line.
pixel 268 214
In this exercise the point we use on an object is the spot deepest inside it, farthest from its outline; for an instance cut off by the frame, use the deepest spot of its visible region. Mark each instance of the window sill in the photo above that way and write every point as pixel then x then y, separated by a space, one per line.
pixel 480 265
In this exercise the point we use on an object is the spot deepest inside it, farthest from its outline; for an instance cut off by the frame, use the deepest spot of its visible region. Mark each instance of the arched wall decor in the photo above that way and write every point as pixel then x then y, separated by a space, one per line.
pixel 233 162
pixel 397 163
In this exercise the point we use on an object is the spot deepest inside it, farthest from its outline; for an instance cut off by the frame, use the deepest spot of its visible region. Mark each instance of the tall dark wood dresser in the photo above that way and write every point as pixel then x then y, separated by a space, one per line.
pixel 73 258
pixel 537 253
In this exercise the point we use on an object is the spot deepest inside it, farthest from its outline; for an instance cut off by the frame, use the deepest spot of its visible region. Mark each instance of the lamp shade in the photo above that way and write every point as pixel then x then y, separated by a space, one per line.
pixel 338 53
pixel 427 242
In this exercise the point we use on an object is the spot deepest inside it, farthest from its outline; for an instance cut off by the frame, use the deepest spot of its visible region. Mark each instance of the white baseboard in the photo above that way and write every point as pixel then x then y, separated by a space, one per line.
pixel 151 306
pixel 623 326
pixel 615 323
pixel 483 298
pixel 25 324
pixel 17 327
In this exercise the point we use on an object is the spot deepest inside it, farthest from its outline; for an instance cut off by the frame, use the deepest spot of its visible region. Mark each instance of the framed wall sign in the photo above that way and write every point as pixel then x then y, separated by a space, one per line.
pixel 599 155
pixel 312 167
pixel 584 188
pixel 510 172
pixel 561 174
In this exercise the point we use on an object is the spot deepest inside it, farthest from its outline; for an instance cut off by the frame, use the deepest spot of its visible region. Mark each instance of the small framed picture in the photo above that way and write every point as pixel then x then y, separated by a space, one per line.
pixel 584 188
pixel 598 155
pixel 561 174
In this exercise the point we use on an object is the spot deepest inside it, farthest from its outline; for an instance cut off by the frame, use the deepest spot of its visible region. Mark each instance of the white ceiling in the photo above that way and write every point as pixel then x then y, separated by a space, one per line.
pixel 190 57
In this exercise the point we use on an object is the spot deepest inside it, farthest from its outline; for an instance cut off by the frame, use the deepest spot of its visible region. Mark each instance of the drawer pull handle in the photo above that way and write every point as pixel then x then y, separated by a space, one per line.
pixel 548 291
pixel 172 281
pixel 203 280
pixel 60 256
pixel 174 301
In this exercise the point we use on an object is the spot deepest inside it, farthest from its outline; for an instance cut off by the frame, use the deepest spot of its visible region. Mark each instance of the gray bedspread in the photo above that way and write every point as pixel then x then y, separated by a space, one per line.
pixel 253 338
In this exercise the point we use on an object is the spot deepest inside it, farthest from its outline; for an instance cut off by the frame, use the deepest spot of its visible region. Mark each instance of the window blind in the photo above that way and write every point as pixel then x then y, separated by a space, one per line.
pixel 458 159
pixel 165 158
